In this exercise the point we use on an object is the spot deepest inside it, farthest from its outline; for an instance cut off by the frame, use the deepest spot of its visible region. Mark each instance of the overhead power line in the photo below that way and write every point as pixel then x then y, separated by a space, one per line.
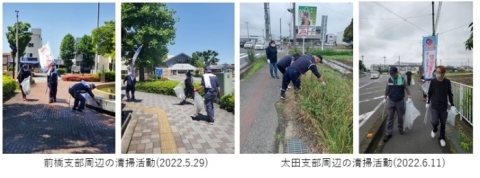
pixel 399 16
pixel 393 18
pixel 456 28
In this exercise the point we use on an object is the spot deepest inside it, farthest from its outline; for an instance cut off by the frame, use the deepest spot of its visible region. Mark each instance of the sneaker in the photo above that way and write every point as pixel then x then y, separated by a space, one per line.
pixel 282 95
pixel 386 138
pixel 278 77
pixel 211 122
pixel 289 87
pixel 401 132
pixel 79 110
pixel 442 142
pixel 432 134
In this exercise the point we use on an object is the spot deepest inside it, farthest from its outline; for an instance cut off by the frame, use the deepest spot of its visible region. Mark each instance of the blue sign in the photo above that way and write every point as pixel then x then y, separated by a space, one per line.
pixel 430 44
pixel 158 71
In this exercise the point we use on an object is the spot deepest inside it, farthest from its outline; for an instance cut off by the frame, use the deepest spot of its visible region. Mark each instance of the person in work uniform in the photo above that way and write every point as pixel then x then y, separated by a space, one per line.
pixel 409 77
pixel 130 88
pixel 76 92
pixel 211 85
pixel 189 88
pixel 286 61
pixel 22 75
pixel 302 65
pixel 439 91
pixel 395 91
pixel 52 79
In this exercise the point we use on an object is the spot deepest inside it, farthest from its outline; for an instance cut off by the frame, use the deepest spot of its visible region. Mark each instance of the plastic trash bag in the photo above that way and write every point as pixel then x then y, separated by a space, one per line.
pixel 199 104
pixel 452 113
pixel 425 87
pixel 179 91
pixel 26 85
pixel 413 82
pixel 411 113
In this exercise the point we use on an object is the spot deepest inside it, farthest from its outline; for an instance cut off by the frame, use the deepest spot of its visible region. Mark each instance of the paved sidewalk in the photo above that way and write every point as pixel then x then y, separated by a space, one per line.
pixel 160 125
pixel 418 139
pixel 35 126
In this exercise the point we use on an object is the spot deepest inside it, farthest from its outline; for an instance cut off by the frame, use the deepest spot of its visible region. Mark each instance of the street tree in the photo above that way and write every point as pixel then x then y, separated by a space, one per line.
pixel 24 37
pixel 67 50
pixel 469 42
pixel 151 25
pixel 348 33
pixel 204 58
pixel 362 66
pixel 104 36
pixel 86 48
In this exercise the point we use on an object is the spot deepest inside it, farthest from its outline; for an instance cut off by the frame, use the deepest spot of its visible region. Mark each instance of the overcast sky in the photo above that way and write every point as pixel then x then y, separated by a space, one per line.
pixel 339 17
pixel 384 34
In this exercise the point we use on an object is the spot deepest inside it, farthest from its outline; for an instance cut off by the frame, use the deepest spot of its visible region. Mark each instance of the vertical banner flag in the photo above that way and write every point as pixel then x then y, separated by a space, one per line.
pixel 135 58
pixel 45 55
pixel 429 56
pixel 307 21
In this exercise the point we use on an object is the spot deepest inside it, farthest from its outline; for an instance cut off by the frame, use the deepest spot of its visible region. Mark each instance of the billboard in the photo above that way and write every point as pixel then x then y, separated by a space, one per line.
pixel 429 44
pixel 307 15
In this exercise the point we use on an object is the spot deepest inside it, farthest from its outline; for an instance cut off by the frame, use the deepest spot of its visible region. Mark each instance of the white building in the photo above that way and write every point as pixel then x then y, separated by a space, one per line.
pixel 35 43
pixel 340 39
pixel 330 39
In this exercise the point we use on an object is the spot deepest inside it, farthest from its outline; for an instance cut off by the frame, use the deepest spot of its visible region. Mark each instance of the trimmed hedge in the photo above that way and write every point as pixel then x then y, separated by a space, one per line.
pixel 9 85
pixel 109 76
pixel 227 102
pixel 79 77
pixel 61 71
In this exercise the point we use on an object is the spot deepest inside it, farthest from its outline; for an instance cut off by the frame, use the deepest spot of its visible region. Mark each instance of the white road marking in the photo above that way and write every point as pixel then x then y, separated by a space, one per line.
pixel 364 117
pixel 371 92
pixel 376 98
pixel 366 85
pixel 374 87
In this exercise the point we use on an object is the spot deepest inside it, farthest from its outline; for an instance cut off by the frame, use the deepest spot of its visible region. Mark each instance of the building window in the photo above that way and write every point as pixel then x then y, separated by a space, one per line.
pixel 30 54
pixel 30 45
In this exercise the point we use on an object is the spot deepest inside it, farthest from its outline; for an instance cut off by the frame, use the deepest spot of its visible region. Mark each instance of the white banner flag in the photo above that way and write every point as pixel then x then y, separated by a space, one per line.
pixel 135 58
pixel 45 56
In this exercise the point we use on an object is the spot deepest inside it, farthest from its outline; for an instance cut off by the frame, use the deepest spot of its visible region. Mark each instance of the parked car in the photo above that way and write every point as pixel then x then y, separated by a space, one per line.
pixel 242 43
pixel 278 43
pixel 374 75
pixel 260 46
pixel 248 44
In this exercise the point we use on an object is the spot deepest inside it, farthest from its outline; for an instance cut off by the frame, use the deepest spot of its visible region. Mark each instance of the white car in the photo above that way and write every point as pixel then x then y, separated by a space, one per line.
pixel 248 44
pixel 374 75
pixel 260 46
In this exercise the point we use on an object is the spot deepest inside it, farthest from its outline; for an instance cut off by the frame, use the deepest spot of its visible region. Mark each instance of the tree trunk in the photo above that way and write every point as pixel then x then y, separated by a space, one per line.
pixel 141 71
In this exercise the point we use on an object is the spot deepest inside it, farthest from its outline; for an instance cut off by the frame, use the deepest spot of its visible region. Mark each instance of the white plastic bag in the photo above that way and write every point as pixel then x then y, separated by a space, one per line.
pixel 425 86
pixel 413 82
pixel 199 104
pixel 452 113
pixel 179 91
pixel 26 85
pixel 411 113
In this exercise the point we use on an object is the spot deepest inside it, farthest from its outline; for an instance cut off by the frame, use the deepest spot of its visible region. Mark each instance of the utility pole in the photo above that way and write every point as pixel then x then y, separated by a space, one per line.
pixel 16 64
pixel 294 34
pixel 263 32
pixel 468 62
pixel 362 58
pixel 433 18
pixel 267 32
pixel 399 64
pixel 248 32
pixel 96 53
pixel 280 30
pixel 384 62
pixel 289 31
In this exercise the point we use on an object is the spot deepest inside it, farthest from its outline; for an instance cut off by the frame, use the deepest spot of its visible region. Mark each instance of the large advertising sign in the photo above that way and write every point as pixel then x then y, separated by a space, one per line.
pixel 307 15
pixel 46 57
pixel 429 56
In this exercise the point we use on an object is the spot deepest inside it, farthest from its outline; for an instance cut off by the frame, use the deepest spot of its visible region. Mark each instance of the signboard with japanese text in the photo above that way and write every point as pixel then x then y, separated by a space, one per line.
pixel 429 56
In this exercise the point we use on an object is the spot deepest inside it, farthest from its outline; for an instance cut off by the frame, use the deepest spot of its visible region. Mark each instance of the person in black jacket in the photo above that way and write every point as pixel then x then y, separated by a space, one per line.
pixel 22 75
pixel 130 88
pixel 76 92
pixel 409 77
pixel 189 88
pixel 439 91
pixel 286 61
pixel 271 52
pixel 52 79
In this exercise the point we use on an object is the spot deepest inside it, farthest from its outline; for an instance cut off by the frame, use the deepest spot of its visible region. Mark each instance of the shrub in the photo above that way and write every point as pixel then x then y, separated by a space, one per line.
pixel 197 75
pixel 61 71
pixel 79 77
pixel 123 76
pixel 9 85
pixel 109 76
pixel 227 102
pixel 163 87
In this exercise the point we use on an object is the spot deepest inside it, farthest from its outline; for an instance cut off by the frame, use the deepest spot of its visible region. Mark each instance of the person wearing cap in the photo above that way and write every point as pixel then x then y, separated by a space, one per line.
pixel 394 95
pixel 409 77
pixel 271 53
pixel 301 66
pixel 22 75
pixel 211 86
pixel 52 79
pixel 189 88
pixel 439 91
pixel 130 88
pixel 286 61
pixel 76 92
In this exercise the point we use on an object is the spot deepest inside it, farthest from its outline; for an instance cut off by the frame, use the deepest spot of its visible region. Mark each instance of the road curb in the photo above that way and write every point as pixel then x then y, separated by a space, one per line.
pixel 370 145
pixel 244 71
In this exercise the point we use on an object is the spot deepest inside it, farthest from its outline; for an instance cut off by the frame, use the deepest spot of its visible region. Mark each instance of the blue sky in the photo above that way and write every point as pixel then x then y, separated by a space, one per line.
pixel 205 26
pixel 57 20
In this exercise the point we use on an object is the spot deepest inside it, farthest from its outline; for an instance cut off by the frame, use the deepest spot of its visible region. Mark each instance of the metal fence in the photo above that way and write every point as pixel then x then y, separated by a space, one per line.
pixel 463 100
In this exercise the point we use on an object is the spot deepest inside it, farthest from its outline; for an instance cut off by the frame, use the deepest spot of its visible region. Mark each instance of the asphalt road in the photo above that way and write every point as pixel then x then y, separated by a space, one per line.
pixel 370 98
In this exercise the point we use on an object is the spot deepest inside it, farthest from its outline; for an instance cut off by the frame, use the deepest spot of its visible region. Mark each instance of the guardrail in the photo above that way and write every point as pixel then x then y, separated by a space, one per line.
pixel 463 100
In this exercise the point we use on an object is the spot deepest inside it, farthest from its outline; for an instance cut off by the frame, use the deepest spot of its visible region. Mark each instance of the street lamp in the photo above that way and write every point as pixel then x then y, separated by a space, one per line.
pixel 248 32
pixel 263 32
pixel 17 62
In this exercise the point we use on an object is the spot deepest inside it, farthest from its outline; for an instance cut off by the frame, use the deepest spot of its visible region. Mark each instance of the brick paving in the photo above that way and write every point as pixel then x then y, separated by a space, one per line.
pixel 190 136
pixel 35 126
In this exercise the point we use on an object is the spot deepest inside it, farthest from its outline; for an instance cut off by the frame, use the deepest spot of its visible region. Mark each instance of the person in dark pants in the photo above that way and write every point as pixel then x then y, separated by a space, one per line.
pixel 395 91
pixel 211 85
pixel 52 79
pixel 439 91
pixel 409 77
pixel 286 61
pixel 271 52
pixel 22 75
pixel 76 92
pixel 189 88
pixel 299 67
pixel 130 88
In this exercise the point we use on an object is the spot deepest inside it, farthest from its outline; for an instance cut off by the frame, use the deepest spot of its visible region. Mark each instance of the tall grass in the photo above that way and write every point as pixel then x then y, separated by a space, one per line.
pixel 257 66
pixel 328 110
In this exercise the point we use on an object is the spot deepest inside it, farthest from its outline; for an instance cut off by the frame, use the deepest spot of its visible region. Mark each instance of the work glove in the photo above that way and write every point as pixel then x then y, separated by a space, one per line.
pixel 384 101
pixel 323 83
pixel 409 100
pixel 268 60
pixel 427 105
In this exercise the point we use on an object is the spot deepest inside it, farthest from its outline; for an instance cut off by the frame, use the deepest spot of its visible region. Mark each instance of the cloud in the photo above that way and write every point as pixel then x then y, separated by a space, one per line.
pixel 339 17
pixel 382 33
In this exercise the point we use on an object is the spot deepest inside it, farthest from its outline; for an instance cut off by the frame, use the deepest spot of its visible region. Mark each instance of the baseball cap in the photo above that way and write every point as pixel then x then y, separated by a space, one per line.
pixel 393 70
pixel 208 69
pixel 320 57
pixel 92 86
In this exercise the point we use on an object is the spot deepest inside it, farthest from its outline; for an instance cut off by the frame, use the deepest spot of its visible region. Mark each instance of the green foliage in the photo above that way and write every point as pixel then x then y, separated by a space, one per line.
pixel 67 50
pixel 86 48
pixel 150 24
pixel 109 76
pixel 251 55
pixel 204 58
pixel 227 102
pixel 104 36
pixel 469 42
pixel 9 85
pixel 348 33
pixel 123 76
pixel 325 52
pixel 362 66
pixel 24 37
pixel 163 87
pixel 61 71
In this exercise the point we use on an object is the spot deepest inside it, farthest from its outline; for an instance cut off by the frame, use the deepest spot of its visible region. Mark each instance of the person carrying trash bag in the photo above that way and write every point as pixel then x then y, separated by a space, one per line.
pixel 395 92
pixel 52 79
pixel 439 91
pixel 211 86
pixel 76 92
pixel 22 75
pixel 301 66
pixel 189 88
pixel 130 88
